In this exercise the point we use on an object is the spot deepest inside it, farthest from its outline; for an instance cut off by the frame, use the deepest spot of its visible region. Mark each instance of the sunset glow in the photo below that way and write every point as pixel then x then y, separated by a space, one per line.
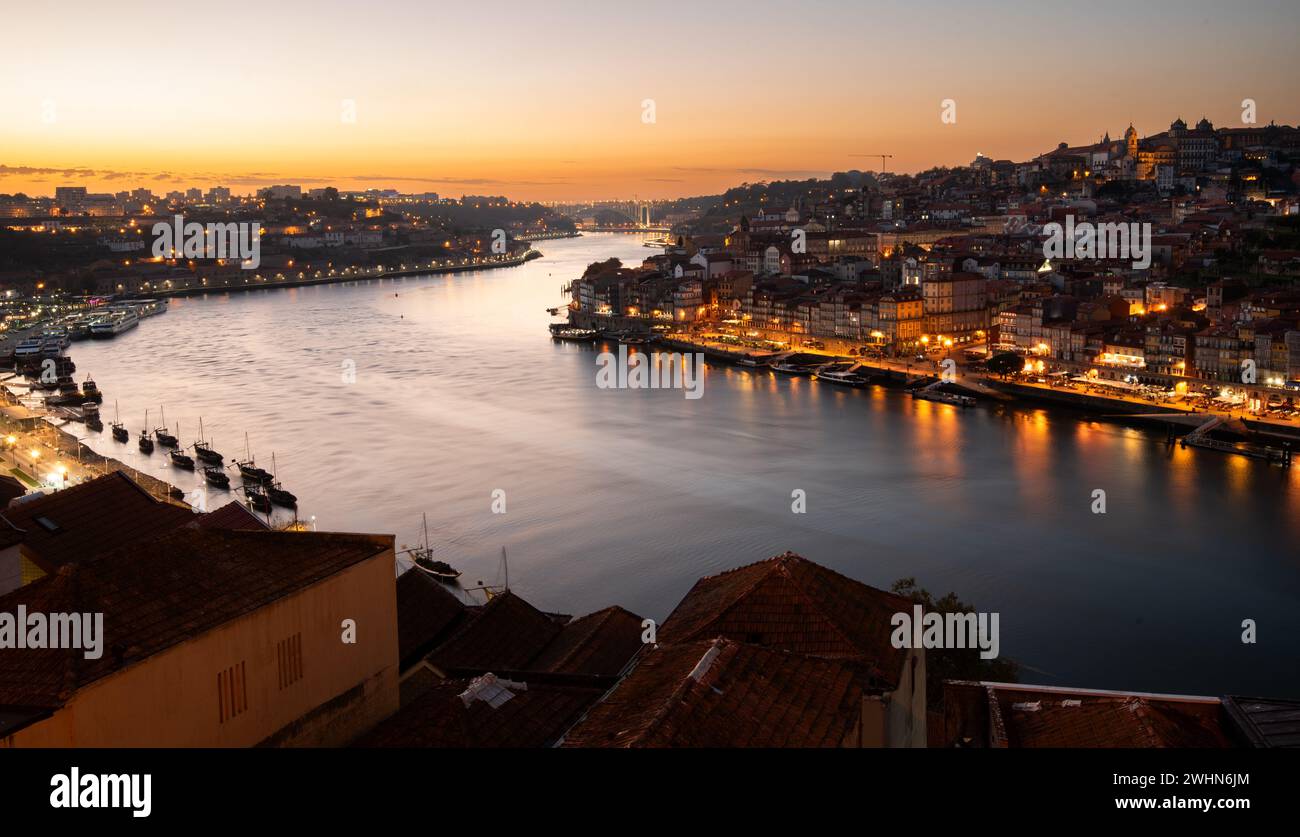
pixel 546 102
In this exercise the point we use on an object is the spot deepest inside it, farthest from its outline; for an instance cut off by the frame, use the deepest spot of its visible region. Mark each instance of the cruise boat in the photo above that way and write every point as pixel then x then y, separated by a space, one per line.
pixel 844 374
pixel 149 307
pixel 788 368
pixel 79 328
pixel 944 397
pixel 57 336
pixel 113 324
pixel 575 335
pixel 28 349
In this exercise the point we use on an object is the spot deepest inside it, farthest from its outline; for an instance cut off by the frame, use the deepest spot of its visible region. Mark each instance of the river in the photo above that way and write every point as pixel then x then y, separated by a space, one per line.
pixel 626 496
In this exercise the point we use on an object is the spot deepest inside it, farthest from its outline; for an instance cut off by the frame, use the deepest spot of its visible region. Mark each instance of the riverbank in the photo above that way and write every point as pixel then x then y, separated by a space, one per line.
pixel 258 282
pixel 46 457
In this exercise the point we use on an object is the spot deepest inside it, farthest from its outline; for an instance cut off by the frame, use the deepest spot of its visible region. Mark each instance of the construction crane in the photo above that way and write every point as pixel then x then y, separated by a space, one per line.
pixel 882 157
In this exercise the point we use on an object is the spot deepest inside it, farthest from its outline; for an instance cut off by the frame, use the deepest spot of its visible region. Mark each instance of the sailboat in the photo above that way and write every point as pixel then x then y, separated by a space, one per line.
pixel 257 499
pixel 119 430
pixel 203 450
pixel 146 444
pixel 424 560
pixel 277 493
pixel 216 477
pixel 164 438
pixel 179 458
pixel 249 471
pixel 491 592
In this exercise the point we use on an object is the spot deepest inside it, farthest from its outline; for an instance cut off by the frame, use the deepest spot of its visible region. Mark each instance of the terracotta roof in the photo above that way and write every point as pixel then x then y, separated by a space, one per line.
pixel 233 515
pixel 505 634
pixel 1011 715
pixel 600 643
pixel 535 716
pixel 789 602
pixel 159 593
pixel 426 614
pixel 91 518
pixel 722 693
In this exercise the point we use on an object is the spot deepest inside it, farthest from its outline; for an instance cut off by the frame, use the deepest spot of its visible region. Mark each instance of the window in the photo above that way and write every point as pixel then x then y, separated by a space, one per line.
pixel 232 692
pixel 288 654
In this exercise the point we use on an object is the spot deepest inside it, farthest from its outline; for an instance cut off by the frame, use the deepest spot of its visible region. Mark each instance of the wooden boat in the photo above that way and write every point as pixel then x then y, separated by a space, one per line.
pixel 204 451
pixel 182 460
pixel 163 437
pixel 216 477
pixel 425 562
pixel 257 499
pixel 90 391
pixel 119 429
pixel 276 492
pixel 146 444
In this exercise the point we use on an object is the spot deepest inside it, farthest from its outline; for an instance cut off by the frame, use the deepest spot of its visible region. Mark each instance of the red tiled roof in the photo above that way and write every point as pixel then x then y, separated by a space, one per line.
pixel 534 717
pixel 1010 715
pixel 88 519
pixel 233 515
pixel 426 613
pixel 599 643
pixel 505 635
pixel 789 602
pixel 159 593
pixel 726 694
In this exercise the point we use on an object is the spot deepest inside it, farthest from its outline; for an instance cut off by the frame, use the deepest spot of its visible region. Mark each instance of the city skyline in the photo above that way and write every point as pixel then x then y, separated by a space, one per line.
pixel 554 108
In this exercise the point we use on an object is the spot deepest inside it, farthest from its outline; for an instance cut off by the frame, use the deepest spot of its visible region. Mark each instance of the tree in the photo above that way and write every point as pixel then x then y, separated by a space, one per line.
pixel 953 663
pixel 1005 363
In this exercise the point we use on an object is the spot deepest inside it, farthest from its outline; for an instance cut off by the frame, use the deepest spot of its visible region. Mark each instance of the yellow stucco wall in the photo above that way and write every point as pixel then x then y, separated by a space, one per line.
pixel 171 699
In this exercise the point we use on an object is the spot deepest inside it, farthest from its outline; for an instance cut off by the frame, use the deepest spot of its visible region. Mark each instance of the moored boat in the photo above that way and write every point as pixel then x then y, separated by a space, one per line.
pixel 216 477
pixel 163 436
pixel 843 374
pixel 944 397
pixel 422 557
pixel 203 450
pixel 146 444
pixel 90 390
pixel 575 335
pixel 257 499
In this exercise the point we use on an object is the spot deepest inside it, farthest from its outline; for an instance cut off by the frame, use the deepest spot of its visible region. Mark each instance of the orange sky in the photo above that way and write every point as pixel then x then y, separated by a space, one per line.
pixel 490 100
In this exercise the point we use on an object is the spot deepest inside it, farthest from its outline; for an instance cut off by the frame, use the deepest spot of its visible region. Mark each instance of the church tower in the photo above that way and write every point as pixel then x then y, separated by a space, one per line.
pixel 1131 141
